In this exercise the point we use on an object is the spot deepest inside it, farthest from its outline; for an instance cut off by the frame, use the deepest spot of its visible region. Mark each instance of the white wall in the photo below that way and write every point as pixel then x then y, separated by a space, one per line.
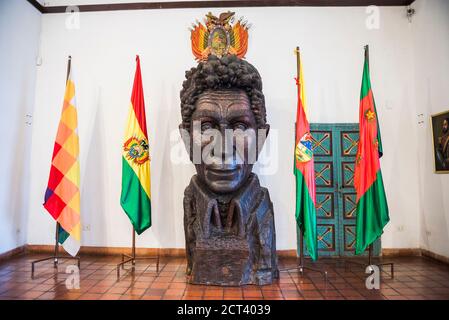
pixel 103 51
pixel 19 36
pixel 431 48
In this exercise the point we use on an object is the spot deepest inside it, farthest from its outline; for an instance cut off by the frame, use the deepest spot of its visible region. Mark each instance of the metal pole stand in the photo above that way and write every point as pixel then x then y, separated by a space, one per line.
pixel 302 267
pixel 55 257
pixel 132 258
pixel 370 263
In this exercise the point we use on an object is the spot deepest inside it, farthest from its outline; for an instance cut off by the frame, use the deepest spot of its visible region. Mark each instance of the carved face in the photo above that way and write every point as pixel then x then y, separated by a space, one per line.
pixel 445 126
pixel 226 113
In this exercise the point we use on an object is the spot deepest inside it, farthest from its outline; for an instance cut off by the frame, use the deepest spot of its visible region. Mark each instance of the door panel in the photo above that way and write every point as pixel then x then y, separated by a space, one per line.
pixel 324 174
pixel 347 195
pixel 335 148
pixel 349 205
pixel 349 239
pixel 326 238
pixel 325 205
pixel 349 139
pixel 326 201
pixel 322 143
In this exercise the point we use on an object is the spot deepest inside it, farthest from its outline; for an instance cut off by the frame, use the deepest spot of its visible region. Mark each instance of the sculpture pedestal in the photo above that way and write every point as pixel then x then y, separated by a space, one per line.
pixel 240 250
pixel 222 261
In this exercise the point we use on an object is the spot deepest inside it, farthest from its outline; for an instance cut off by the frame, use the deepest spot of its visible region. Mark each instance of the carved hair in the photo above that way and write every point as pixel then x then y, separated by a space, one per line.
pixel 229 72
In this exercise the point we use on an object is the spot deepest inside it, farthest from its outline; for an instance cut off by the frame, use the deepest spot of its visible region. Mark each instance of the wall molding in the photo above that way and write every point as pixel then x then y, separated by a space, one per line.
pixel 180 252
pixel 408 252
pixel 12 253
pixel 435 256
pixel 104 251
pixel 402 252
pixel 220 4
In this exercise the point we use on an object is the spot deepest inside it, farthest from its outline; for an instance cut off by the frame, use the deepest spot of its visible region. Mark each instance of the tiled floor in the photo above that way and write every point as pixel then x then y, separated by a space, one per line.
pixel 415 278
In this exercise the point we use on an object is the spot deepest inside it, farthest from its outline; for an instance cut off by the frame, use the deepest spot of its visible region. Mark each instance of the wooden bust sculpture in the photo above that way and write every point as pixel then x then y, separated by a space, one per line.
pixel 228 216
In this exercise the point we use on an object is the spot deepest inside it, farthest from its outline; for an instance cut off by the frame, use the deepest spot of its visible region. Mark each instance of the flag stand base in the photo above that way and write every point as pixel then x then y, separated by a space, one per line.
pixel 302 267
pixel 55 257
pixel 370 263
pixel 132 258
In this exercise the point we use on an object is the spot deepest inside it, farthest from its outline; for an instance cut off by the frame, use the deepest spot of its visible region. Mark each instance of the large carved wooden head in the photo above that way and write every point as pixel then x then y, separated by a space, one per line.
pixel 223 120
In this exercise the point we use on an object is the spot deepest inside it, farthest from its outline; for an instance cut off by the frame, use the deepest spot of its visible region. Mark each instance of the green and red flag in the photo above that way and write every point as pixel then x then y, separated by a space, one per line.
pixel 136 187
pixel 304 171
pixel 62 197
pixel 372 209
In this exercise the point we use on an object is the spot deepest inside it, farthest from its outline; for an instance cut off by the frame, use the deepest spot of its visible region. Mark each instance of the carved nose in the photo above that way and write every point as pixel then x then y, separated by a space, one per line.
pixel 227 144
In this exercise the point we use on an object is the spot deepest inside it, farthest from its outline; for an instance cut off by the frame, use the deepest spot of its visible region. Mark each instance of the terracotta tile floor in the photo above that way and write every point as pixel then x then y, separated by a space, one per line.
pixel 415 278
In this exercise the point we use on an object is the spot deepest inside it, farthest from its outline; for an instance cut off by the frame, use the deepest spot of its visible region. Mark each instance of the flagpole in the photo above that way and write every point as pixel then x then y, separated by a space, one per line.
pixel 55 262
pixel 56 255
pixel 367 54
pixel 371 246
pixel 137 103
pixel 298 63
pixel 132 258
pixel 69 68
pixel 301 236
pixel 370 253
pixel 302 267
pixel 301 252
pixel 134 246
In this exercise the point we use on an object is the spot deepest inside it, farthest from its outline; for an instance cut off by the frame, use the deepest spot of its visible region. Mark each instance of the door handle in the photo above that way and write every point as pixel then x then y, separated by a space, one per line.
pixel 341 189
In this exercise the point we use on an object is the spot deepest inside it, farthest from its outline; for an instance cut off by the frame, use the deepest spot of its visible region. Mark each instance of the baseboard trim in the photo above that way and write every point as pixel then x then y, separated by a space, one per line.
pixel 11 253
pixel 435 256
pixel 401 252
pixel 163 252
pixel 408 252
pixel 107 251
pixel 287 253
pixel 180 252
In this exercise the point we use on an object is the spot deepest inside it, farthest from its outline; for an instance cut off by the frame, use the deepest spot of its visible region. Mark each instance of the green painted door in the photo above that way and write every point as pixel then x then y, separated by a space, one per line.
pixel 335 147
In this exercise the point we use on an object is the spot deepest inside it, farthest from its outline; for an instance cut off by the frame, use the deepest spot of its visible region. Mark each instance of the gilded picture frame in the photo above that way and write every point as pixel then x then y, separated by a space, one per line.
pixel 440 136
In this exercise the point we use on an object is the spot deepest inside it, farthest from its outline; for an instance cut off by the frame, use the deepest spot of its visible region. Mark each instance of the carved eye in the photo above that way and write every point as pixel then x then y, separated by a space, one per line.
pixel 240 126
pixel 206 125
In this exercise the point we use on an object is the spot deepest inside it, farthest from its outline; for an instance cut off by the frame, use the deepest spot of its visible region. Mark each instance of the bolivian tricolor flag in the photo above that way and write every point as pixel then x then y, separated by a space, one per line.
pixel 372 208
pixel 136 196
pixel 304 171
pixel 62 198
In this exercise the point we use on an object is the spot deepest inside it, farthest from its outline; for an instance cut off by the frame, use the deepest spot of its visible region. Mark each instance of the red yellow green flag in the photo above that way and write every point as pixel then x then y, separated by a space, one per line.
pixel 62 197
pixel 372 209
pixel 136 195
pixel 304 172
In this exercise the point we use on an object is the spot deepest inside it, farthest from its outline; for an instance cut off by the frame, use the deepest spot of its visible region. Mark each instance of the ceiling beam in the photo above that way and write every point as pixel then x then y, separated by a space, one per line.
pixel 220 4
pixel 37 5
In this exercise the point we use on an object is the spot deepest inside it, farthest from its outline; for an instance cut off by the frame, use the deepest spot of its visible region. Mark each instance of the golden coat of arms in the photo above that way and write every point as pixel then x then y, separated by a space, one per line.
pixel 219 37
pixel 136 150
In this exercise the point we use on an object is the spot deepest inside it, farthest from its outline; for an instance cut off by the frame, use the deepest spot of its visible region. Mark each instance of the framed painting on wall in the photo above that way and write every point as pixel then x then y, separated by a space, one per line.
pixel 440 134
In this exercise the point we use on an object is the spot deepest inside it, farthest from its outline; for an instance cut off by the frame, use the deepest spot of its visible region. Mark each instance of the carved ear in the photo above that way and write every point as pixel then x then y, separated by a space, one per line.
pixel 262 135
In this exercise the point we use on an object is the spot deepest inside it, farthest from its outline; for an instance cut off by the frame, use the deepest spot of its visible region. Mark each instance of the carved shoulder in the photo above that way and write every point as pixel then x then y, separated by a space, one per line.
pixel 265 206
